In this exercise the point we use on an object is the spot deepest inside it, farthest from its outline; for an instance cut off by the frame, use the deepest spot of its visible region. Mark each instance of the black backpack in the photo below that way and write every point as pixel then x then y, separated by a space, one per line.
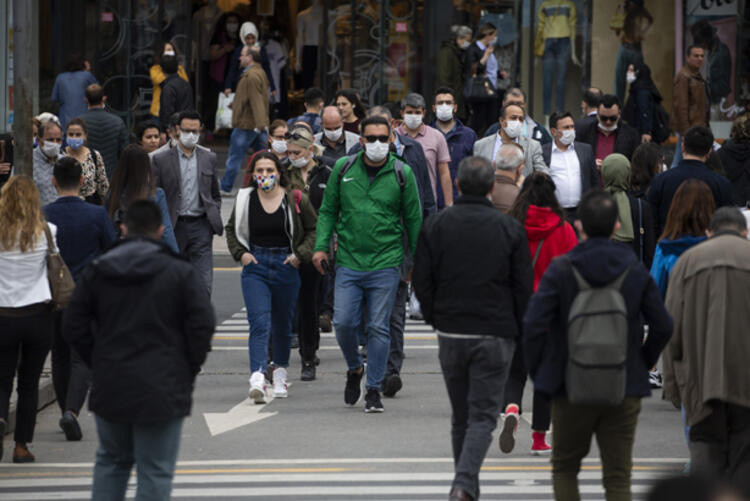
pixel 660 130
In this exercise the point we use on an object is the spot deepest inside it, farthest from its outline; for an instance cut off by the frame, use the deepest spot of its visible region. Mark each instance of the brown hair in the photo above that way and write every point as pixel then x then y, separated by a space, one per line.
pixel 80 123
pixel 741 129
pixel 24 222
pixel 690 212
pixel 275 125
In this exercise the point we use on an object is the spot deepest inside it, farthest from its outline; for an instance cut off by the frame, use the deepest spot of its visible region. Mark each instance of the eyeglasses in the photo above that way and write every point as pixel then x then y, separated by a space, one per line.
pixel 295 136
pixel 608 118
pixel 372 139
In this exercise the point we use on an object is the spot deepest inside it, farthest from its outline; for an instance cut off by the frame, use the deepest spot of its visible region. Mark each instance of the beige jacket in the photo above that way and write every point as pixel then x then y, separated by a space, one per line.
pixel 709 352
pixel 250 106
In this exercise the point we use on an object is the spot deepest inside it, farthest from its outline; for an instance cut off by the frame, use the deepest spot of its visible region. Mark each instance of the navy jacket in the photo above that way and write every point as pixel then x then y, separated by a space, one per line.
pixel 413 155
pixel 460 141
pixel 545 337
pixel 312 119
pixel 665 185
pixel 107 135
pixel 84 231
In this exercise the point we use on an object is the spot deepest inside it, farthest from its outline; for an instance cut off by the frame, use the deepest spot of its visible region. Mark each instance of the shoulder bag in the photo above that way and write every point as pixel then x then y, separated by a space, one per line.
pixel 61 282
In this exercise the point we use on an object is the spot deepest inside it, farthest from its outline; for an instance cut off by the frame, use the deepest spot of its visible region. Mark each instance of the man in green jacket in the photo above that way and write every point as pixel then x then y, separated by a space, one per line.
pixel 369 206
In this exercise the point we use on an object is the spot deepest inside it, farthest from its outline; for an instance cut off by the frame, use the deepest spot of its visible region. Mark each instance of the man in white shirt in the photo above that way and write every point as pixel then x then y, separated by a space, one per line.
pixel 571 164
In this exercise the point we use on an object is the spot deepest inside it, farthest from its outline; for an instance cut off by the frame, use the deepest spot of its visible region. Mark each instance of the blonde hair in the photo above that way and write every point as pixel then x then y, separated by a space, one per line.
pixel 24 222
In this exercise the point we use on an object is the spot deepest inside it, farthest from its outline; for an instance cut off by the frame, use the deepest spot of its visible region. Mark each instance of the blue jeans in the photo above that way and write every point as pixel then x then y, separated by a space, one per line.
pixel 555 67
pixel 378 290
pixel 239 142
pixel 152 447
pixel 627 54
pixel 270 289
pixel 677 152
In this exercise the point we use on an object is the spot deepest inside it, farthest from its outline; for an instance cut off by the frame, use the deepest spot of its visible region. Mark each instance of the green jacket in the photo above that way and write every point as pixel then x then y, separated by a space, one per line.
pixel 299 226
pixel 368 216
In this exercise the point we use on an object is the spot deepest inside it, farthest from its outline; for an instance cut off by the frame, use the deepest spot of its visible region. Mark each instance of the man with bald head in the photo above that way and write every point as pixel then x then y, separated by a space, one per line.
pixel 333 138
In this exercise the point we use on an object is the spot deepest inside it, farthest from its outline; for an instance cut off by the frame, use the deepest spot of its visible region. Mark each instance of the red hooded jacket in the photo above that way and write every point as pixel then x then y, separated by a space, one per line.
pixel 559 237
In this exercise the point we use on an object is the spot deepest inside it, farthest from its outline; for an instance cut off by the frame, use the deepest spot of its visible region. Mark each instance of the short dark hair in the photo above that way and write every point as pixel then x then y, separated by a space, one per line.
pixel 374 120
pixel 94 94
pixel 174 120
pixel 727 218
pixel 698 141
pixel 694 46
pixel 591 97
pixel 67 172
pixel 283 172
pixel 504 109
pixel 142 127
pixel 557 116
pixel 169 65
pixel 313 96
pixel 142 218
pixel 475 176
pixel 609 100
pixel 598 213
pixel 190 115
pixel 79 122
pixel 445 90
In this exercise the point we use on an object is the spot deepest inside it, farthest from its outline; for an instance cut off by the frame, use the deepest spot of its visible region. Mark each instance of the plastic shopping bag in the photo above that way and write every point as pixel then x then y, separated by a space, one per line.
pixel 224 112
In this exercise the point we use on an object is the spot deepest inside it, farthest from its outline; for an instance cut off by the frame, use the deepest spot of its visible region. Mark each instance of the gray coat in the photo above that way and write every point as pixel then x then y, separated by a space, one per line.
pixel 107 135
pixel 166 167
pixel 532 151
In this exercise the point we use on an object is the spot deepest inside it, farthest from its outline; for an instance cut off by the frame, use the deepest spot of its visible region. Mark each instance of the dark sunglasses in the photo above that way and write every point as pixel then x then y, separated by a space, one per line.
pixel 610 118
pixel 372 139
pixel 295 136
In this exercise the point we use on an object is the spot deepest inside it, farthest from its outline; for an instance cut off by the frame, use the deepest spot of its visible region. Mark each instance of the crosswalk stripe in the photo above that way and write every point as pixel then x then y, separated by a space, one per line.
pixel 322 348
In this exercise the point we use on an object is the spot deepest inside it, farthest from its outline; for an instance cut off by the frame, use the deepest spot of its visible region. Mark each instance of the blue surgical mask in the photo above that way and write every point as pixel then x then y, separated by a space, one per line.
pixel 75 142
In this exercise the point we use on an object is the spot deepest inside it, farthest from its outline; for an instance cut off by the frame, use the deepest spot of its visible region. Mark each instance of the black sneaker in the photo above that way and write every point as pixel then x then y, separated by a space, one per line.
pixel 324 321
pixel 372 401
pixel 392 385
pixel 308 371
pixel 354 386
pixel 70 426
pixel 294 342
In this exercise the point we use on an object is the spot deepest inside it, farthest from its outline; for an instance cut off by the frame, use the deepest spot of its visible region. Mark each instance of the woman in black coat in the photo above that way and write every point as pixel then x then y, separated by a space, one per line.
pixel 639 107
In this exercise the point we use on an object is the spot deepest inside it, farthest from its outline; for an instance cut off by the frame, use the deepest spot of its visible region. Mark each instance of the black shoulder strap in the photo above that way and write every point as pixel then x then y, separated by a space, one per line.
pixel 641 231
pixel 536 254
pixel 349 162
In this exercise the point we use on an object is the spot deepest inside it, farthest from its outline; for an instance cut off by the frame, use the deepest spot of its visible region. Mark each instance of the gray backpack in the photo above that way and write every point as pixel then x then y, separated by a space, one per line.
pixel 597 343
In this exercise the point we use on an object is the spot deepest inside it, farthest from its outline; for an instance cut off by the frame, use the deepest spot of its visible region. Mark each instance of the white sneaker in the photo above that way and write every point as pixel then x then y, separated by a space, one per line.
pixel 257 391
pixel 279 383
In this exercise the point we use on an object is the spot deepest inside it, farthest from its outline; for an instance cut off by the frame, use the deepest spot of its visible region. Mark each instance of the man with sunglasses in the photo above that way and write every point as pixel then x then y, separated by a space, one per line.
pixel 608 134
pixel 370 202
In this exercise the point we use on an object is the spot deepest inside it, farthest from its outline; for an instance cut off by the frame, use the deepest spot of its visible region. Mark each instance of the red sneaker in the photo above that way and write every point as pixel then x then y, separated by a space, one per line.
pixel 539 446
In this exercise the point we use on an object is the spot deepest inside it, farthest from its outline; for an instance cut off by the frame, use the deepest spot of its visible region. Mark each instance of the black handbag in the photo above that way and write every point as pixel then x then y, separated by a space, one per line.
pixel 479 88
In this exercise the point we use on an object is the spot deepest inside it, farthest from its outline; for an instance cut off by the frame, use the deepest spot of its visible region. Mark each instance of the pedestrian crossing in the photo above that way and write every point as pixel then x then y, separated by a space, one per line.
pixel 335 479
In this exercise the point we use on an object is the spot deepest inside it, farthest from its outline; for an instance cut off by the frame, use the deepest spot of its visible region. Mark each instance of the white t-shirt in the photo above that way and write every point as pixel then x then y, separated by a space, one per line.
pixel 23 275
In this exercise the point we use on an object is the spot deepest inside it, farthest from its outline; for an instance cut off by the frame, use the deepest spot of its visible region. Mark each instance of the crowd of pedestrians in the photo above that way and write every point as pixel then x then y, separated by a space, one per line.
pixel 535 250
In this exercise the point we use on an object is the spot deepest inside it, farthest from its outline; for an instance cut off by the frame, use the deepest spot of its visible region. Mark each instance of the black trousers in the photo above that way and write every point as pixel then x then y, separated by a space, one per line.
pixel 308 329
pixel 475 371
pixel 541 413
pixel 24 344
pixel 309 65
pixel 70 376
pixel 720 445
pixel 483 114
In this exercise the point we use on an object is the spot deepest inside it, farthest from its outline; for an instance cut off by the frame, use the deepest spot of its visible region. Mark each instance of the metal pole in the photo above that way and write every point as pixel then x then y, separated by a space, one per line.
pixel 23 86
pixel 323 55
pixel 532 61
pixel 384 7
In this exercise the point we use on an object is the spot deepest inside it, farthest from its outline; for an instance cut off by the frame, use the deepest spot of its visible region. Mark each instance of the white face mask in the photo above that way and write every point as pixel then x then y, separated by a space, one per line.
pixel 412 120
pixel 444 112
pixel 611 128
pixel 189 140
pixel 333 135
pixel 278 146
pixel 169 53
pixel 464 45
pixel 630 77
pixel 299 162
pixel 513 129
pixel 50 149
pixel 568 136
pixel 377 151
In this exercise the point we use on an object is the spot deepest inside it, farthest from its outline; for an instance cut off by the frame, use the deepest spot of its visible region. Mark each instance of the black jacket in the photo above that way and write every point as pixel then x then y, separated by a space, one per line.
pixel 154 323
pixel 545 336
pixel 627 138
pixel 735 158
pixel 589 173
pixel 176 96
pixel 645 242
pixel 472 270
pixel 107 134
pixel 639 107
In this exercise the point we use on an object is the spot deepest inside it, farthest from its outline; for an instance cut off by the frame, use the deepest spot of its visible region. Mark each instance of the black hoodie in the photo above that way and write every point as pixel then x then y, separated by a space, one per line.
pixel 153 322
pixel 735 158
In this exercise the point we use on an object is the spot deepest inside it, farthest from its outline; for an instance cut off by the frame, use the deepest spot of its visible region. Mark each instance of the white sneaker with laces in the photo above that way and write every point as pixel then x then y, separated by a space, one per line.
pixel 257 391
pixel 279 383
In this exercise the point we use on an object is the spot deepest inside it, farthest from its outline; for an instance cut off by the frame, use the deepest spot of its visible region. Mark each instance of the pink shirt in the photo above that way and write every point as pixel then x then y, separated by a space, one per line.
pixel 435 150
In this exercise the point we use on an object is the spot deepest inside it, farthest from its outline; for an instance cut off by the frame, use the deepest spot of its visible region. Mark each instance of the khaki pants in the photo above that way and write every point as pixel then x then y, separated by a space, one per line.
pixel 573 427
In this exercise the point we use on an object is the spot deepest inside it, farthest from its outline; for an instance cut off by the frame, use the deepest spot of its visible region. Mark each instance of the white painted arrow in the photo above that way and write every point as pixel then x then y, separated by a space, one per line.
pixel 244 413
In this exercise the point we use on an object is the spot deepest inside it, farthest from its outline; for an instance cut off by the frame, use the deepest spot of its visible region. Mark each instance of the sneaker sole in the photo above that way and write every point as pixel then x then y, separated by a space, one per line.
pixel 71 429
pixel 507 438
pixel 257 396
pixel 374 411
pixel 280 394
pixel 541 453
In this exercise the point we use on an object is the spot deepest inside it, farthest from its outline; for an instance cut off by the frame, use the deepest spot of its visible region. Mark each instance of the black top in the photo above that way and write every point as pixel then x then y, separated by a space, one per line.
pixel 333 153
pixel 372 171
pixel 266 230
